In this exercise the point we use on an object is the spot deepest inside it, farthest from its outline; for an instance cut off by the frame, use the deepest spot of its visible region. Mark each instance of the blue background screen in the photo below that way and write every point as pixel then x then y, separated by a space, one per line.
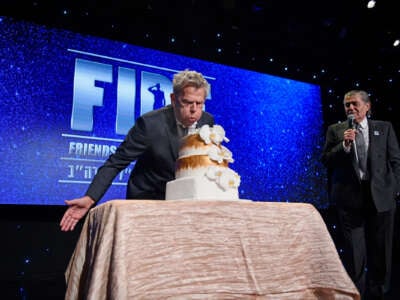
pixel 67 100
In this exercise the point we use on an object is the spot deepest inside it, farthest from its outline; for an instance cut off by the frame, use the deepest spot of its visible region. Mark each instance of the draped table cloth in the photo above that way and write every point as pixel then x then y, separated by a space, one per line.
pixel 144 249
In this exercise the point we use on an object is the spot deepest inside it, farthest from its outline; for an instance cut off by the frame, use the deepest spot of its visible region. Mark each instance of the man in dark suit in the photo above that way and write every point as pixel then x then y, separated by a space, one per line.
pixel 153 142
pixel 364 195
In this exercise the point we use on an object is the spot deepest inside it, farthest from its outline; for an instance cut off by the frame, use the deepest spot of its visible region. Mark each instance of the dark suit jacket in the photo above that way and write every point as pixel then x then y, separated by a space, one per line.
pixel 153 143
pixel 383 167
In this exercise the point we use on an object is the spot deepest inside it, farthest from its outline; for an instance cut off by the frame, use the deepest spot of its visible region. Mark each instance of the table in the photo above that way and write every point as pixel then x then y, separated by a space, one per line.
pixel 240 249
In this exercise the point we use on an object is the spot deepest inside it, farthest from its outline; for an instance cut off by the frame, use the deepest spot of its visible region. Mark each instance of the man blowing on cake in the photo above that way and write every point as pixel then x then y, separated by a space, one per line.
pixel 153 142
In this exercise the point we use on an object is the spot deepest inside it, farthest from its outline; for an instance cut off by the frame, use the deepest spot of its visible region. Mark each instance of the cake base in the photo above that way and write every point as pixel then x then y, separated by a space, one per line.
pixel 198 188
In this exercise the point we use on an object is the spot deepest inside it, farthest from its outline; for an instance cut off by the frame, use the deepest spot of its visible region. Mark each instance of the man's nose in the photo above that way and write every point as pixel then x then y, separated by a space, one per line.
pixel 194 106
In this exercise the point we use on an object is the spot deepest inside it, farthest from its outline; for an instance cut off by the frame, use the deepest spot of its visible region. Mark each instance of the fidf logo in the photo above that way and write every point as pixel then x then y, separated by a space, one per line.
pixel 92 78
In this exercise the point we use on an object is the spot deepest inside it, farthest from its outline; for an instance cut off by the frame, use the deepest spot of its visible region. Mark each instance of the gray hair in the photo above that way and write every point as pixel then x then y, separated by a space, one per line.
pixel 363 94
pixel 189 78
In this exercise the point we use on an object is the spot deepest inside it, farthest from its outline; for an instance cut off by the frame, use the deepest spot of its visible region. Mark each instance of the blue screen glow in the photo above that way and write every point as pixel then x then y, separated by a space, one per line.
pixel 67 100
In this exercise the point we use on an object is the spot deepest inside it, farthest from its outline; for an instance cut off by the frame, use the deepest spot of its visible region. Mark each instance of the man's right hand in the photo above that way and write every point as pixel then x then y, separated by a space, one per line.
pixel 77 210
pixel 349 136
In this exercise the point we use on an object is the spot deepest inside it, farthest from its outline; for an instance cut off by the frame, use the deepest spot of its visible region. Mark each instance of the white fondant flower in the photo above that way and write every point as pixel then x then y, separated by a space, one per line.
pixel 224 177
pixel 219 134
pixel 226 154
pixel 213 172
pixel 220 154
pixel 205 133
pixel 235 180
pixel 215 153
pixel 228 179
pixel 215 134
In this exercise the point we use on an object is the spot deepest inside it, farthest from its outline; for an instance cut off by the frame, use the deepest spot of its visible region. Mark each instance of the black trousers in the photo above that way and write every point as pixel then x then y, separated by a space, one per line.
pixel 368 238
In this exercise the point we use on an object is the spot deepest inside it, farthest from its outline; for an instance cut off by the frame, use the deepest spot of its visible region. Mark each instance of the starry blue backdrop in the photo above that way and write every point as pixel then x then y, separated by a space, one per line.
pixel 274 124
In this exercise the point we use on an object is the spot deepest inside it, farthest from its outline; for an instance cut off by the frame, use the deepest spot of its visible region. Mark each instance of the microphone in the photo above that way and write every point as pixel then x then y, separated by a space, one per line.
pixel 350 120
pixel 352 125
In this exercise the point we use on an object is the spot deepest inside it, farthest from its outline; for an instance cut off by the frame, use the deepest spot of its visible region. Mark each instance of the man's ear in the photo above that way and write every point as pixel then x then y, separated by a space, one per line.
pixel 172 96
pixel 369 109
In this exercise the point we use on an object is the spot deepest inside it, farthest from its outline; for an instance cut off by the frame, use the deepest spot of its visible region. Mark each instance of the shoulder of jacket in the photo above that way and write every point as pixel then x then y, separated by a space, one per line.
pixel 156 113
pixel 338 125
pixel 379 124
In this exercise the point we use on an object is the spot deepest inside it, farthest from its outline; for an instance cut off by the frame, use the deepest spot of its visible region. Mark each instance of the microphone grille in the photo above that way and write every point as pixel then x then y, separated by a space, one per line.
pixel 350 120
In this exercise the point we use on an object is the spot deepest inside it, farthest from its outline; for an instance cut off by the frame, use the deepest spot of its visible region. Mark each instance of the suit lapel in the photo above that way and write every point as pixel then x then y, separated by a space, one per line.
pixel 374 133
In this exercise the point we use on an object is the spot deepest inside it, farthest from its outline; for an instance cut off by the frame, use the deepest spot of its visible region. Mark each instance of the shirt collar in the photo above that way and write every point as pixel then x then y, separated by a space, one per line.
pixel 183 126
pixel 364 123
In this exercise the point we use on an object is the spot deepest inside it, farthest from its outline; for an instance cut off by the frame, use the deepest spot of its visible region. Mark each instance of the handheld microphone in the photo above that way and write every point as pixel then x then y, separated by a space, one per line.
pixel 350 120
pixel 352 125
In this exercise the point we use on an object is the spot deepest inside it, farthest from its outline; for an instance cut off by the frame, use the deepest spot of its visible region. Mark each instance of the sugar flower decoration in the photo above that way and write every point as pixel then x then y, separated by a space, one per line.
pixel 225 178
pixel 226 154
pixel 215 134
pixel 219 154
pixel 215 153
pixel 229 180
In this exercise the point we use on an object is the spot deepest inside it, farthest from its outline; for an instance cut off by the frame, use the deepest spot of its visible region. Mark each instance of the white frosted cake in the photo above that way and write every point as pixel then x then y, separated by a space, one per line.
pixel 202 169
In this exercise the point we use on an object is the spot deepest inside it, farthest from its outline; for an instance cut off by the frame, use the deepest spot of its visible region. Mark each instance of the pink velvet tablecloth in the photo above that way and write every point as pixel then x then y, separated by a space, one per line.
pixel 138 249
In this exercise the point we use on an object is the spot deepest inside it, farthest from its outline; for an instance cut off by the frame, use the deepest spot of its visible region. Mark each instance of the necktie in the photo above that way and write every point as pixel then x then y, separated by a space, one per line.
pixel 361 150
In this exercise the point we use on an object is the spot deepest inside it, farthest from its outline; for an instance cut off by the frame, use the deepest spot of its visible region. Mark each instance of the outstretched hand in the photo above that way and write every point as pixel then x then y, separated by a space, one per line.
pixel 77 210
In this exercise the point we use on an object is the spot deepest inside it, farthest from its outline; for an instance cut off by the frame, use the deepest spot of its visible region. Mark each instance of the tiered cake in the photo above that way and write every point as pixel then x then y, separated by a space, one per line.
pixel 202 171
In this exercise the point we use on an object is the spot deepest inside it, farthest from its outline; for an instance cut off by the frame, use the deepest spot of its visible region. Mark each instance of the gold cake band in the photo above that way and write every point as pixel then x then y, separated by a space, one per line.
pixel 193 140
pixel 196 161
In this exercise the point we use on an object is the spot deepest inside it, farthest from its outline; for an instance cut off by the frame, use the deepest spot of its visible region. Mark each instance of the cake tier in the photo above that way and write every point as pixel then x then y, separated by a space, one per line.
pixel 196 165
pixel 198 188
pixel 192 144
